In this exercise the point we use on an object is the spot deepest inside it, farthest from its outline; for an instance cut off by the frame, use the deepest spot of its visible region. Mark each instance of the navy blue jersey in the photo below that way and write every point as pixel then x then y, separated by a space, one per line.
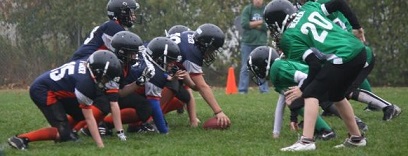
pixel 71 80
pixel 155 84
pixel 192 58
pixel 99 38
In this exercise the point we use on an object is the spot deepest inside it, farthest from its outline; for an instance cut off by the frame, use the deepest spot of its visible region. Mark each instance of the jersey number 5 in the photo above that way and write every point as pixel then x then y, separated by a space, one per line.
pixel 315 19
pixel 68 68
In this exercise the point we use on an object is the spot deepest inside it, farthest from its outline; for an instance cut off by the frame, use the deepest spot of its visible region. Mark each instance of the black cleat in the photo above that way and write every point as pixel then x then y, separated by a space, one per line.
pixel 391 112
pixel 361 125
pixel 144 128
pixel 18 143
pixel 102 128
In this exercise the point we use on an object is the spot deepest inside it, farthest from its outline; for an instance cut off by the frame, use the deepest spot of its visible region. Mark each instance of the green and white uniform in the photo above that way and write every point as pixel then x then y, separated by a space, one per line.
pixel 284 74
pixel 339 19
pixel 312 29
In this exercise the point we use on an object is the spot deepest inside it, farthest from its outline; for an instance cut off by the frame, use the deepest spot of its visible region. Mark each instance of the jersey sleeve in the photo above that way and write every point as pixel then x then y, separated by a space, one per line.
pixel 192 68
pixel 110 29
pixel 342 6
pixel 134 73
pixel 279 111
pixel 112 91
pixel 84 101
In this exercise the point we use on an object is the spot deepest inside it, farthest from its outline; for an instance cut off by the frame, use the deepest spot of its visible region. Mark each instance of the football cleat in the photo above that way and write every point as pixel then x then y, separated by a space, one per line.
pixel 397 111
pixel 102 128
pixel 144 128
pixel 303 144
pixel 353 141
pixel 18 143
pixel 361 125
pixel 391 112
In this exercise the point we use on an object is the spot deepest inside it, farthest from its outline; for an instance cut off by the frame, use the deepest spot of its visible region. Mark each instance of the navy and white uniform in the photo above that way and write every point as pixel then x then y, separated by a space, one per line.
pixel 71 80
pixel 68 86
pixel 152 90
pixel 99 39
pixel 192 58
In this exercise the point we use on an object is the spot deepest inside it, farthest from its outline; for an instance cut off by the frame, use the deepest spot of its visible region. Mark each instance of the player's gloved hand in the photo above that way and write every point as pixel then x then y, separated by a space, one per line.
pixel 141 80
pixel 121 135
pixel 145 77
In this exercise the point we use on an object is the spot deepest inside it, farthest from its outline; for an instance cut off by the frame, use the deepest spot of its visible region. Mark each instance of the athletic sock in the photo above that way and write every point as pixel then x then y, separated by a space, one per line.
pixel 158 116
pixel 367 97
pixel 49 133
pixel 321 124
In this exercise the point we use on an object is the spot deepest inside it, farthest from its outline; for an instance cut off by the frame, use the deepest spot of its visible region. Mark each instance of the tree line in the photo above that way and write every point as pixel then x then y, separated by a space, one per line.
pixel 38 35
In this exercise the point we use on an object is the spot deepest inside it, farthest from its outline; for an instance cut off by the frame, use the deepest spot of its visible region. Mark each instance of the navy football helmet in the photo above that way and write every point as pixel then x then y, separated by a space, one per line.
pixel 259 62
pixel 209 38
pixel 123 11
pixel 163 51
pixel 277 13
pixel 126 46
pixel 104 66
pixel 177 29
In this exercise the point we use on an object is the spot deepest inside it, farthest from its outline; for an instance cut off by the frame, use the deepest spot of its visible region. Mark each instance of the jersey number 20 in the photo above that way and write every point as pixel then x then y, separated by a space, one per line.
pixel 316 19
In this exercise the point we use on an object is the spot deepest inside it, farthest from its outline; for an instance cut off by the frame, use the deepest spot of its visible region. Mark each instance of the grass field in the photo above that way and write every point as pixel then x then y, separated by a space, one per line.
pixel 250 133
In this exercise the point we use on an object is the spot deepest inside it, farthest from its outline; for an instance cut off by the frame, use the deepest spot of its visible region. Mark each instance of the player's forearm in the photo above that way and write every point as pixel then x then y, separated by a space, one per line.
pixel 190 83
pixel 92 126
pixel 343 7
pixel 191 108
pixel 117 121
pixel 207 94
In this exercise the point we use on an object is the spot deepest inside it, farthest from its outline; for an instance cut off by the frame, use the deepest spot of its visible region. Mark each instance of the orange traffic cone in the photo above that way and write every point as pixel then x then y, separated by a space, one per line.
pixel 231 84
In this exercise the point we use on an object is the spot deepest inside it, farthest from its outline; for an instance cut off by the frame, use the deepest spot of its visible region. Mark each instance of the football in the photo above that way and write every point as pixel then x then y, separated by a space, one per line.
pixel 211 123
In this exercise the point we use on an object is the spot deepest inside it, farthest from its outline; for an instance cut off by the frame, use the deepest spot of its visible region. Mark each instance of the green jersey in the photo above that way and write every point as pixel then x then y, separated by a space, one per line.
pixel 341 20
pixel 312 29
pixel 338 18
pixel 285 74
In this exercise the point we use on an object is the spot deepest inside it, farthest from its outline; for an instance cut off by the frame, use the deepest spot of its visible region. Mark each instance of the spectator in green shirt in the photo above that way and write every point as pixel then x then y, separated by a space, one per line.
pixel 254 35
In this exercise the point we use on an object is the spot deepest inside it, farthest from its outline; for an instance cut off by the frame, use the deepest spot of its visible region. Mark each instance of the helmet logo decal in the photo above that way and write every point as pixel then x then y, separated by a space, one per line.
pixel 199 31
pixel 165 55
pixel 105 69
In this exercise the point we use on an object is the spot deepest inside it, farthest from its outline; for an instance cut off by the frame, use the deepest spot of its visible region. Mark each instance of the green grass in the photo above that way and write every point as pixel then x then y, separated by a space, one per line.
pixel 250 133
